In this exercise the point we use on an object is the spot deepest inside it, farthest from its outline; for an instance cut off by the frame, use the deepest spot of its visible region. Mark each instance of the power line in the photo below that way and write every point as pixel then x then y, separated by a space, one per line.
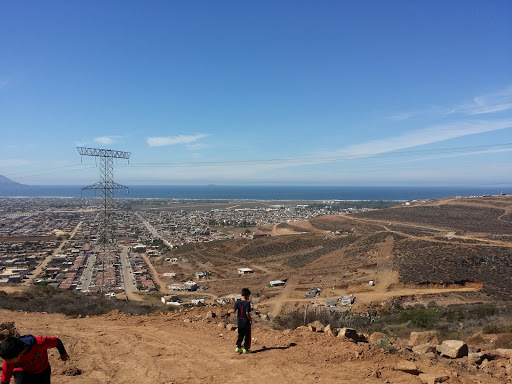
pixel 341 157
pixel 277 161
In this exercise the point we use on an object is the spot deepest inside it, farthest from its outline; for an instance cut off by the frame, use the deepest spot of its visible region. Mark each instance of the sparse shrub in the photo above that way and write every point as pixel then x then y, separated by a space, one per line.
pixel 454 315
pixel 383 344
pixel 481 311
pixel 42 299
pixel 421 318
pixel 504 340
pixel 491 328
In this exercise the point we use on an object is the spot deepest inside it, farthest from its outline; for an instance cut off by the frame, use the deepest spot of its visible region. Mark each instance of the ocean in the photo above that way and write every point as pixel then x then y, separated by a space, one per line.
pixel 220 192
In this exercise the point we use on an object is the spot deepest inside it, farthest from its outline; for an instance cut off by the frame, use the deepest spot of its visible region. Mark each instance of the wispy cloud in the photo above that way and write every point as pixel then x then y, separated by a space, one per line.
pixel 429 135
pixel 402 116
pixel 180 139
pixel 493 102
pixel 490 103
pixel 106 140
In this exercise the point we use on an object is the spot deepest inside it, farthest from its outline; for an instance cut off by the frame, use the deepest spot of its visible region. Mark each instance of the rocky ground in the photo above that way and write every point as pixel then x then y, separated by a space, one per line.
pixel 192 347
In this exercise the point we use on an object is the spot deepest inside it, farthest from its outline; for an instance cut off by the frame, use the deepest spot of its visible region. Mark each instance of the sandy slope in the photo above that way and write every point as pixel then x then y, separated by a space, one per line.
pixel 186 348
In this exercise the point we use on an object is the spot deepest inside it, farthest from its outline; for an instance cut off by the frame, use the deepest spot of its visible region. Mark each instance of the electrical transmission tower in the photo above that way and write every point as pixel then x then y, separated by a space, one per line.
pixel 106 186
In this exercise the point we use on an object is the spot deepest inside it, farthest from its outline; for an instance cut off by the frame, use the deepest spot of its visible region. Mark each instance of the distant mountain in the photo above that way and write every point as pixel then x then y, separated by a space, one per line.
pixel 5 182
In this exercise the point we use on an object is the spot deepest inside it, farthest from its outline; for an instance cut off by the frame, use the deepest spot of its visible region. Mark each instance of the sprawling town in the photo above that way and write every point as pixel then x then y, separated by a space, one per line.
pixel 54 241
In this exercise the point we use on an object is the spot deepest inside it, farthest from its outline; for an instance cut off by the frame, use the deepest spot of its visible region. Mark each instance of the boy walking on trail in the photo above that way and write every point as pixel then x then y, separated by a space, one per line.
pixel 26 358
pixel 243 307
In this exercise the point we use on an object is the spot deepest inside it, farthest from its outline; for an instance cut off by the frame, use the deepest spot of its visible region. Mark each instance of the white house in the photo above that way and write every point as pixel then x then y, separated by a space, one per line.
pixel 245 271
pixel 190 285
pixel 277 283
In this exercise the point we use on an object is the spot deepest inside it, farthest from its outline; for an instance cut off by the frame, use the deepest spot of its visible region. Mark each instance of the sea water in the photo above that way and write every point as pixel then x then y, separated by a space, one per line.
pixel 225 192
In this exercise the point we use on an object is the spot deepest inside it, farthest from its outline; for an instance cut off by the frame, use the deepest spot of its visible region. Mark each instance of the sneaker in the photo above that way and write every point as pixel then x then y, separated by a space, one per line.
pixel 239 350
pixel 246 351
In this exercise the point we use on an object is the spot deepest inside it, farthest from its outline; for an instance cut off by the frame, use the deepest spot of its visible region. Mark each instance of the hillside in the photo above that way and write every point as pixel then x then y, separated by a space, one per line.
pixel 440 264
pixel 5 182
pixel 450 245
pixel 8 184
pixel 187 347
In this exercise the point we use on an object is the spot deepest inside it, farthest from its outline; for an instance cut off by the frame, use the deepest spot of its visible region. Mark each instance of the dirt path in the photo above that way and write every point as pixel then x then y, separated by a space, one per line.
pixel 279 301
pixel 183 348
pixel 485 241
pixel 162 287
pixel 366 297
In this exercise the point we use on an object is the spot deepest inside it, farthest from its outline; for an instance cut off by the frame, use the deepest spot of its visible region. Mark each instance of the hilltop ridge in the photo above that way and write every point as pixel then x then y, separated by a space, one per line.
pixel 6 182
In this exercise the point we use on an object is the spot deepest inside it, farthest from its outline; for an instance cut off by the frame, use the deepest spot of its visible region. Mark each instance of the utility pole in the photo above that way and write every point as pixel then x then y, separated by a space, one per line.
pixel 106 186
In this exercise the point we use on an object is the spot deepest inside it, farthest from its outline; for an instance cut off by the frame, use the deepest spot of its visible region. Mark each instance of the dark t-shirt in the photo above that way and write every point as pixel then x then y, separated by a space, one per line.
pixel 243 307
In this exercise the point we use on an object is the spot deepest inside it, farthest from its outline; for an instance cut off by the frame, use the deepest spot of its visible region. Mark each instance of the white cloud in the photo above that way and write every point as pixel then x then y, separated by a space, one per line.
pixel 106 140
pixel 494 102
pixel 402 116
pixel 180 139
pixel 429 135
pixel 490 103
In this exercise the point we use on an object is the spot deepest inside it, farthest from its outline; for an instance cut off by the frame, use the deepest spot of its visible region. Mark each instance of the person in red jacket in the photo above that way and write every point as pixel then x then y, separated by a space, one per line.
pixel 26 357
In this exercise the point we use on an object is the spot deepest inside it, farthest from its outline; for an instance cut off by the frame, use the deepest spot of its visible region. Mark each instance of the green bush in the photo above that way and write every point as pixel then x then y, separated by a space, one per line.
pixel 383 344
pixel 421 318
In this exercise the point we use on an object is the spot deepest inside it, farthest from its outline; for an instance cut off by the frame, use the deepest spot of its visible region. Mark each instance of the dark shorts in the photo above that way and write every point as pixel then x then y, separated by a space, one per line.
pixel 21 377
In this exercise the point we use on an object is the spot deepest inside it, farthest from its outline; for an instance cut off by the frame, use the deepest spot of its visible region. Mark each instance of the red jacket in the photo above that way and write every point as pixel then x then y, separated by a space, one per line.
pixel 36 358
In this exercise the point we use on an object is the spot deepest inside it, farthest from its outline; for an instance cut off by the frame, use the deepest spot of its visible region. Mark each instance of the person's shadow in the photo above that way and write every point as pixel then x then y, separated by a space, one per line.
pixel 264 349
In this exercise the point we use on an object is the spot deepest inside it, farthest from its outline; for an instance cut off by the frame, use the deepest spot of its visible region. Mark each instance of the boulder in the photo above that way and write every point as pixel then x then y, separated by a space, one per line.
pixel 408 367
pixel 375 337
pixel 418 338
pixel 475 358
pixel 502 352
pixel 316 326
pixel 348 333
pixel 222 325
pixel 210 315
pixel 231 327
pixel 424 349
pixel 329 331
pixel 433 378
pixel 453 349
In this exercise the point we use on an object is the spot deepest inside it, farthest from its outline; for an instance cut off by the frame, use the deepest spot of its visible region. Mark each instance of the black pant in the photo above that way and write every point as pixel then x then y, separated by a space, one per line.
pixel 21 377
pixel 243 333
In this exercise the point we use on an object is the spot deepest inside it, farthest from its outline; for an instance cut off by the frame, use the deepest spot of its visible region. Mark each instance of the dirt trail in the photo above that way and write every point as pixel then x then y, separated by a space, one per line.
pixel 284 297
pixel 386 224
pixel 162 287
pixel 366 297
pixel 184 348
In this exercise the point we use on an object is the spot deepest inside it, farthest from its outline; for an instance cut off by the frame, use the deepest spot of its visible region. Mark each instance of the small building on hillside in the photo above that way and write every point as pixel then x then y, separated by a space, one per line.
pixel 245 271
pixel 177 287
pixel 259 235
pixel 190 286
pixel 347 300
pixel 277 283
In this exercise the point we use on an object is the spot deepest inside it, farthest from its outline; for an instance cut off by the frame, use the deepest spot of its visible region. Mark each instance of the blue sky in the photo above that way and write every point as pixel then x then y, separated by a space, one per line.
pixel 267 92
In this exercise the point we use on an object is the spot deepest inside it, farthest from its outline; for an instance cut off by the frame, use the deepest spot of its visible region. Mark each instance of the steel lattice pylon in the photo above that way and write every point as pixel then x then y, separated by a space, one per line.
pixel 106 186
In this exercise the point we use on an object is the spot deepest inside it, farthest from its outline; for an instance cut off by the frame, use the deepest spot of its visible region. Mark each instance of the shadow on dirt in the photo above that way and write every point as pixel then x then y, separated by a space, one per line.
pixel 264 349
